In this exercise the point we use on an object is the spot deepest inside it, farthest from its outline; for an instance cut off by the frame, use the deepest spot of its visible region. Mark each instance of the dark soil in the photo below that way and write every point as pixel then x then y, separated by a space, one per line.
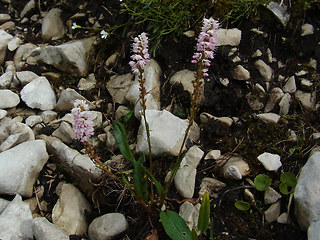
pixel 249 138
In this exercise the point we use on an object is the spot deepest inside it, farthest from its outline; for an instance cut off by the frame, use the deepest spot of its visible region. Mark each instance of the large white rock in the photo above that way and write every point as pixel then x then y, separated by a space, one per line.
pixel 66 100
pixel 72 57
pixel 69 211
pixel 166 133
pixel 45 230
pixel 152 73
pixel 52 26
pixel 307 193
pixel 3 204
pixel 118 87
pixel 230 37
pixel 314 231
pixel 107 226
pixel 39 94
pixel 5 38
pixel 16 221
pixel 184 77
pixel 265 70
pixel 26 77
pixel 9 99
pixel 190 214
pixel 20 167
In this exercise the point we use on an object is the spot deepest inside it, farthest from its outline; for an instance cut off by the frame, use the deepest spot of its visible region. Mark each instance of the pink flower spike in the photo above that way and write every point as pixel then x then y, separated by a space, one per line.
pixel 141 56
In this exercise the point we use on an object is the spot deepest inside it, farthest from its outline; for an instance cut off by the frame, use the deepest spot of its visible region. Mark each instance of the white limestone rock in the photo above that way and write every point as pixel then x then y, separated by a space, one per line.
pixel 306 29
pixel 190 214
pixel 20 167
pixel 27 8
pixel 118 87
pixel 265 70
pixel 48 116
pixel 280 11
pixel 9 99
pixel 240 73
pixel 72 57
pixel 3 113
pixel 26 77
pixel 39 94
pixel 184 77
pixel 275 96
pixel 52 26
pixel 66 100
pixel 16 221
pixel 64 133
pixel 212 186
pixel 6 79
pixel 213 154
pixel 13 140
pixel 14 43
pixel 32 120
pixel 44 230
pixel 231 37
pixel 152 73
pixel 273 212
pixel 3 204
pixel 269 117
pixel 271 196
pixel 5 38
pixel 69 211
pixel 235 168
pixel 290 86
pixel 284 104
pixel 307 193
pixel 271 162
pixel 166 133
pixel 314 230
pixel 307 100
pixel 108 226
pixel 88 83
pixel 185 178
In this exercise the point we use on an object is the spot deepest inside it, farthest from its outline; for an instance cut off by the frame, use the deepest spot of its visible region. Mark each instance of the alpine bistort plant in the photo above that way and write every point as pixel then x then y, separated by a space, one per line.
pixel 83 121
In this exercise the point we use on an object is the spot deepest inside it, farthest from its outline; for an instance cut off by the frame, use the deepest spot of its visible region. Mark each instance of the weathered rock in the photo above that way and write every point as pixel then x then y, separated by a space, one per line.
pixel 80 167
pixel 230 37
pixel 72 57
pixel 27 8
pixel 39 94
pixel 275 96
pixel 44 230
pixel 5 38
pixel 107 227
pixel 306 29
pixel 240 73
pixel 165 138
pixel 271 196
pixel 21 166
pixel 118 87
pixel 280 11
pixel 64 133
pixel 4 17
pixel 314 230
pixel 284 104
pixel 265 70
pixel 88 83
pixel 69 211
pixel 184 77
pixel 190 214
pixel 185 178
pixel 306 193
pixel 16 221
pixel 213 154
pixel 284 218
pixel 273 212
pixel 290 86
pixel 66 99
pixel 307 100
pixel 13 140
pixel 14 43
pixel 8 98
pixel 254 101
pixel 235 168
pixel 52 26
pixel 271 162
pixel 212 186
pixel 26 77
pixel 33 120
pixel 5 79
pixel 3 204
pixel 269 117
pixel 152 73
pixel 3 113
pixel 48 116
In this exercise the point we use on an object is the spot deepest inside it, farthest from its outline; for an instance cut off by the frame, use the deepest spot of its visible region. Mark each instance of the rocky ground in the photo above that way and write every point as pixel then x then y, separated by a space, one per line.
pixel 259 115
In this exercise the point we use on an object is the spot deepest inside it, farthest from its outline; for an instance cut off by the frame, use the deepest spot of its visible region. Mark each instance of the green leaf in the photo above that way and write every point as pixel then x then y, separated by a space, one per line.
pixel 194 235
pixel 156 183
pixel 285 189
pixel 211 230
pixel 262 182
pixel 120 134
pixel 175 226
pixel 289 179
pixel 204 214
pixel 127 117
pixel 242 205
pixel 139 180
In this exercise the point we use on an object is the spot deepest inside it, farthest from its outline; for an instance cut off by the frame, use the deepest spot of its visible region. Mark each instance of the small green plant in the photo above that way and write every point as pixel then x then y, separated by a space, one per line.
pixel 163 18
pixel 288 183
pixel 176 227
pixel 242 205
pixel 262 182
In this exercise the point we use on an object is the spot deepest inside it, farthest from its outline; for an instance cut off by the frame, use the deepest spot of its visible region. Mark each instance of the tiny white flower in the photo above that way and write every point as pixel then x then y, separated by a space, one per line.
pixel 74 25
pixel 104 34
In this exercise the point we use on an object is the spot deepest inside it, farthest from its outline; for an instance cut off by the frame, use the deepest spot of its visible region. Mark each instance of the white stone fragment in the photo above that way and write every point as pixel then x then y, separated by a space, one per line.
pixel 290 86
pixel 271 162
pixel 269 117
pixel 230 37
pixel 213 154
pixel 265 70
pixel 8 98
pixel 240 73
pixel 273 212
pixel 306 29
pixel 44 230
pixel 33 120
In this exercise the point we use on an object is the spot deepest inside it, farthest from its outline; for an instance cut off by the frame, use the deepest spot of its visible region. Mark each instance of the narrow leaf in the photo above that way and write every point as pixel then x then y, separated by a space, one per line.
pixel 127 117
pixel 204 214
pixel 140 180
pixel 156 183
pixel 175 226
pixel 120 134
pixel 211 230
pixel 194 235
